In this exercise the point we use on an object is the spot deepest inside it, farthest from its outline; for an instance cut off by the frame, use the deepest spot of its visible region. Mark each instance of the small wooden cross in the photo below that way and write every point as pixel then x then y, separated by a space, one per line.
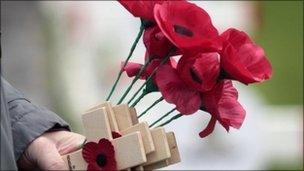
pixel 129 149
pixel 165 147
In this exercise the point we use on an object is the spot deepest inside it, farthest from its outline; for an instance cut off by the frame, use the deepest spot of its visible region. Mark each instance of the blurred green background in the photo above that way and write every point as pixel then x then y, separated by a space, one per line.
pixel 281 35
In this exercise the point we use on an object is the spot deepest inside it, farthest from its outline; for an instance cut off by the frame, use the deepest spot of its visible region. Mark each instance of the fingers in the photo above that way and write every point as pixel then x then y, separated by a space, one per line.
pixel 66 142
pixel 45 152
pixel 47 157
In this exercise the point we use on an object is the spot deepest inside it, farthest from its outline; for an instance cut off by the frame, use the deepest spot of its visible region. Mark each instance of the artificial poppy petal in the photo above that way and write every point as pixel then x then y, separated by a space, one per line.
pixel 140 8
pixel 99 156
pixel 231 113
pixel 221 103
pixel 88 151
pixel 235 37
pixel 246 61
pixel 93 167
pixel 175 91
pixel 209 128
pixel 186 25
pixel 151 67
pixel 200 71
pixel 106 146
pixel 156 43
pixel 131 68
pixel 256 61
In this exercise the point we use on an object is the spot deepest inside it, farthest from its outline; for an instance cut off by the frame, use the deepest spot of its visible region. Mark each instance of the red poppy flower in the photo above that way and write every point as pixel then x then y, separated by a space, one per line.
pixel 99 156
pixel 243 60
pixel 157 45
pixel 175 91
pixel 222 104
pixel 186 25
pixel 140 8
pixel 132 69
pixel 199 71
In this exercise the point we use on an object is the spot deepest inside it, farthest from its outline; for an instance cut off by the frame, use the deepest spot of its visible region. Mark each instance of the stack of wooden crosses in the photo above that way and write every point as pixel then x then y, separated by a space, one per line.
pixel 138 148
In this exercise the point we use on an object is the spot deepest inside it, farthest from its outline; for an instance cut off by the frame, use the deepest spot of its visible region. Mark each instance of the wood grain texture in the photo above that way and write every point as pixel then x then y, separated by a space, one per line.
pixel 175 156
pixel 162 150
pixel 133 114
pixel 96 125
pixel 137 168
pixel 110 113
pixel 157 165
pixel 75 161
pixel 123 116
pixel 145 132
pixel 129 151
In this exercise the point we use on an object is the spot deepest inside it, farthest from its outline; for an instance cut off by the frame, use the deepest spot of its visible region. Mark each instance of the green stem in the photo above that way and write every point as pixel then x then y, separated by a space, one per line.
pixel 139 98
pixel 161 118
pixel 126 61
pixel 156 102
pixel 140 88
pixel 170 120
pixel 134 80
pixel 151 75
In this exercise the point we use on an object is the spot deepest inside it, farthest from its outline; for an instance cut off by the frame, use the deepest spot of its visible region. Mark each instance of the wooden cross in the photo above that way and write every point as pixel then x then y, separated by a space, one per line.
pixel 139 148
pixel 165 151
pixel 129 149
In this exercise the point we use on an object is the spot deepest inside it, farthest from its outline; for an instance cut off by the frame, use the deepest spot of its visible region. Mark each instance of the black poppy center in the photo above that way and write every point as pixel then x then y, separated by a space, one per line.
pixel 223 75
pixel 195 76
pixel 183 30
pixel 101 160
pixel 147 23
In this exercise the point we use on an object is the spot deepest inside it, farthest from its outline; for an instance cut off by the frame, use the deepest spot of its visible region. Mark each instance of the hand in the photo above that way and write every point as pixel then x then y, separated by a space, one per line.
pixel 45 151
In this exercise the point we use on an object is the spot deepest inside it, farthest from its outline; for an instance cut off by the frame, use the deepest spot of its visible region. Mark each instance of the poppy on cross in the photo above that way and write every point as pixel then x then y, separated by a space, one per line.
pixel 138 147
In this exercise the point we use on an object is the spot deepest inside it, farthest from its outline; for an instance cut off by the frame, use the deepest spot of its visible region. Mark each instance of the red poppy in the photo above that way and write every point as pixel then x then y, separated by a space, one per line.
pixel 243 60
pixel 140 8
pixel 99 156
pixel 222 104
pixel 199 71
pixel 186 25
pixel 175 91
pixel 157 45
pixel 132 69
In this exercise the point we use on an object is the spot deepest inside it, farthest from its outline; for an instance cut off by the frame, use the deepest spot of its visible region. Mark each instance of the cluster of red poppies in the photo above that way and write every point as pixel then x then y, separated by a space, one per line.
pixel 202 77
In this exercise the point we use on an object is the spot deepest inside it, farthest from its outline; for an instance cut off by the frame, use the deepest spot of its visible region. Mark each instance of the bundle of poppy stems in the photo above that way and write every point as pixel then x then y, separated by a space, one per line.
pixel 190 63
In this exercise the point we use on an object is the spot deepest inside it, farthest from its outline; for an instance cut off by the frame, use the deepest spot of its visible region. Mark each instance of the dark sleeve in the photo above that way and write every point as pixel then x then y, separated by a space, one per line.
pixel 28 121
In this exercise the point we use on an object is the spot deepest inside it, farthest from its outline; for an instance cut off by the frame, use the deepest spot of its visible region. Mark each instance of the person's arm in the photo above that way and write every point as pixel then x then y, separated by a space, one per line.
pixel 28 121
pixel 37 133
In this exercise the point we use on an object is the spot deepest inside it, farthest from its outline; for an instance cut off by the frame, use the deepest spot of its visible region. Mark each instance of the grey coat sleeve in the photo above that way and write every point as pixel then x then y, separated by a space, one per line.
pixel 28 121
